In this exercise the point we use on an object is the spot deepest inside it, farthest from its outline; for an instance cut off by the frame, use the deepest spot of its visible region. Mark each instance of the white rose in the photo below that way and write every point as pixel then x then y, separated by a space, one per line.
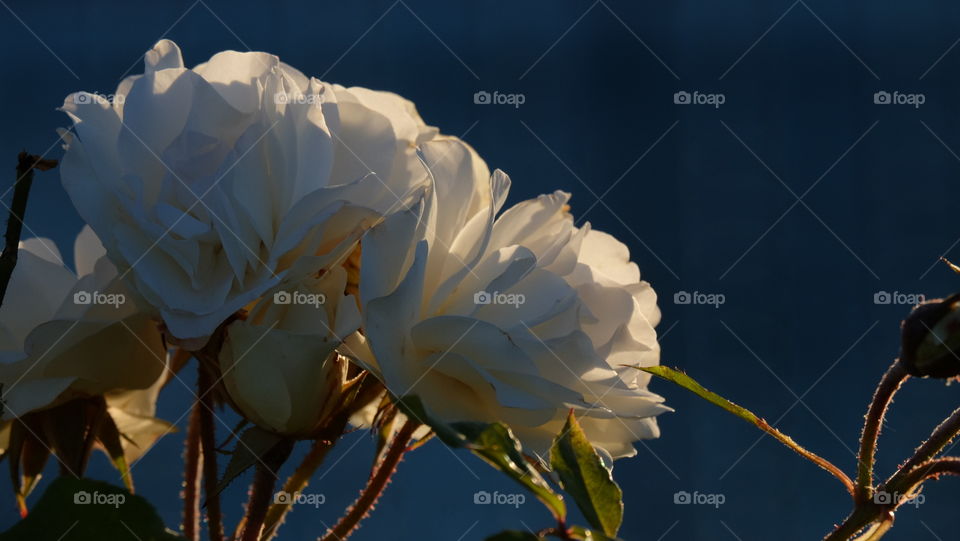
pixel 279 365
pixel 516 318
pixel 210 185
pixel 66 336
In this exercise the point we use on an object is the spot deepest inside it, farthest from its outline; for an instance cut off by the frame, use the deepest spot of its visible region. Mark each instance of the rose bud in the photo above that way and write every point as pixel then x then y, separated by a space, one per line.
pixel 930 339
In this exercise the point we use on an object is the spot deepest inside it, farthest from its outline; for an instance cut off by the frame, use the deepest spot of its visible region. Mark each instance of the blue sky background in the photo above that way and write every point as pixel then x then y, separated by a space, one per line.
pixel 798 200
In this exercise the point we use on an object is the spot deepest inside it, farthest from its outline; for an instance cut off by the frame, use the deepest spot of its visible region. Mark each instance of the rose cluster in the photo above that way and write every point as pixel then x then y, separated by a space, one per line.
pixel 321 251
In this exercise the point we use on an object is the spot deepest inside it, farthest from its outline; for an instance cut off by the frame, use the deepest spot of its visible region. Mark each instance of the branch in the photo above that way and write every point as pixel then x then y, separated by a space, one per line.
pixel 26 163
pixel 933 469
pixel 889 384
pixel 691 385
pixel 939 439
pixel 191 479
pixel 209 452
pixel 378 481
pixel 261 490
pixel 299 479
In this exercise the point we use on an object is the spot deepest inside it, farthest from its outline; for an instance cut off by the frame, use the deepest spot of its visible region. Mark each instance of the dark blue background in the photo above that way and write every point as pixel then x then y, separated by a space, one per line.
pixel 799 339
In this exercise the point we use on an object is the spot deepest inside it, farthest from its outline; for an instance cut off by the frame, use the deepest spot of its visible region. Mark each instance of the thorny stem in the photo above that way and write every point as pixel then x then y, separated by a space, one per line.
pixel 299 479
pixel 191 479
pixel 208 445
pixel 888 386
pixel 261 490
pixel 906 481
pixel 939 439
pixel 879 529
pixel 26 163
pixel 862 516
pixel 932 469
pixel 375 485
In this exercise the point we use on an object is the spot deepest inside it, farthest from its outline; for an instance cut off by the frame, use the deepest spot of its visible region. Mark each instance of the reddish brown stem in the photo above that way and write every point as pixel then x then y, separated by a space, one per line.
pixel 261 494
pixel 933 469
pixel 209 452
pixel 939 439
pixel 191 479
pixel 375 485
pixel 301 477
pixel 889 384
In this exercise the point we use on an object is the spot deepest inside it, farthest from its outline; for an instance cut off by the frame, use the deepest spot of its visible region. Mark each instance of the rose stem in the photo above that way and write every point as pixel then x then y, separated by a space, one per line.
pixel 299 479
pixel 858 520
pixel 887 387
pixel 191 478
pixel 939 439
pixel 869 512
pixel 932 469
pixel 261 490
pixel 209 453
pixel 375 485
pixel 26 163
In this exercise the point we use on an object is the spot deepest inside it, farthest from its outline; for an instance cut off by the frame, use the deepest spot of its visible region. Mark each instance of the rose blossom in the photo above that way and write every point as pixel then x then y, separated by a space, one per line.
pixel 515 318
pixel 210 185
pixel 67 336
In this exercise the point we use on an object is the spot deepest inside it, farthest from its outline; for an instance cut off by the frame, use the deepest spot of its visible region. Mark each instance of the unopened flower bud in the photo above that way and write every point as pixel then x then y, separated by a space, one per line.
pixel 930 339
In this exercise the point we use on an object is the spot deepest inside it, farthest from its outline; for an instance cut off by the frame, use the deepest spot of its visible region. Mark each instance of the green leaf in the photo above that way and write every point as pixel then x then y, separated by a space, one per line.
pixel 252 445
pixel 496 445
pixel 514 535
pixel 87 510
pixel 413 408
pixel 691 385
pixel 583 476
